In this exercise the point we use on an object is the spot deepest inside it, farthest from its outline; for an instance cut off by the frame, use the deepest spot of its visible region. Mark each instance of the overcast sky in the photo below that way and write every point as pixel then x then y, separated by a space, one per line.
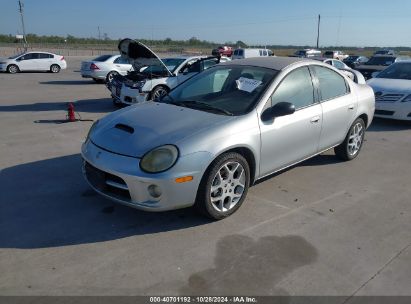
pixel 344 22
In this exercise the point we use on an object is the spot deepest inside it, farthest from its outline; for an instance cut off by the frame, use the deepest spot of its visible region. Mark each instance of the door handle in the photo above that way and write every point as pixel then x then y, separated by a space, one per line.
pixel 351 107
pixel 315 119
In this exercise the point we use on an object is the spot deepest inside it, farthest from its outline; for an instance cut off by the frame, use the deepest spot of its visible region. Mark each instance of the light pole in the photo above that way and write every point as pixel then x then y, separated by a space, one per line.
pixel 21 6
pixel 318 31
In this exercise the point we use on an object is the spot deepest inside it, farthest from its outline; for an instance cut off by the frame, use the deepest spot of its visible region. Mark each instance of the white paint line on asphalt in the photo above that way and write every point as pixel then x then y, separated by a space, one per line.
pixel 257 198
pixel 273 219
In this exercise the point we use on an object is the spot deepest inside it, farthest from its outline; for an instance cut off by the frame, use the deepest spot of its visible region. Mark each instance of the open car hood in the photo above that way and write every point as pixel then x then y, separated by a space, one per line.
pixel 139 55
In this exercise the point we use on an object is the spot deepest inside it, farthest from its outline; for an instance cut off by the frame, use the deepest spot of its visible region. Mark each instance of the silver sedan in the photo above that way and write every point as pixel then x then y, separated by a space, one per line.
pixel 219 132
pixel 104 67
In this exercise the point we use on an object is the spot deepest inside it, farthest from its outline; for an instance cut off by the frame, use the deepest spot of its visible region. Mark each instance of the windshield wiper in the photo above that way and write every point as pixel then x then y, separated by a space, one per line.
pixel 201 105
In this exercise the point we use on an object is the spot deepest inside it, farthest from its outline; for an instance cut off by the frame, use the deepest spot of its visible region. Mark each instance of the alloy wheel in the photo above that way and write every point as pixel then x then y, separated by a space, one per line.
pixel 355 140
pixel 228 186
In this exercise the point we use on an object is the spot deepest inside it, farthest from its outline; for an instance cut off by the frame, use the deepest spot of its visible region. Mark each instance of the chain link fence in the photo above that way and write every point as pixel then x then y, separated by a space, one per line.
pixel 10 49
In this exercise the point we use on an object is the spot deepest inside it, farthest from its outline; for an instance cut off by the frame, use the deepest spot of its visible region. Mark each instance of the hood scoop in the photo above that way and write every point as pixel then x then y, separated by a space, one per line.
pixel 124 128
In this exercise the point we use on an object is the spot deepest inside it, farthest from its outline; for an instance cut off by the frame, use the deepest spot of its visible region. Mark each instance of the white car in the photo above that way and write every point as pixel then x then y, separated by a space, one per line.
pixel 336 55
pixel 392 88
pixel 33 61
pixel 153 77
pixel 105 67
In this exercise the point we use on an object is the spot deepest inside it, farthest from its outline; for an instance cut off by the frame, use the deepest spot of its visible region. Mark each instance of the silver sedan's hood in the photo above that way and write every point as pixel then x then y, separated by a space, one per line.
pixel 137 129
pixel 390 85
pixel 139 55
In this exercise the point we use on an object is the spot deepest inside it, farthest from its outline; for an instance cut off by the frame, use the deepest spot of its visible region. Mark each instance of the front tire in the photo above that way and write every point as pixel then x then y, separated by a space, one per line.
pixel 224 186
pixel 110 76
pixel 13 69
pixel 55 68
pixel 159 92
pixel 352 144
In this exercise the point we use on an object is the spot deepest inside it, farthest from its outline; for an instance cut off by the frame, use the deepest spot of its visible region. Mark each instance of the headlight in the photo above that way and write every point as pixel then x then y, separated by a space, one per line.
pixel 159 159
pixel 138 84
pixel 93 126
pixel 407 99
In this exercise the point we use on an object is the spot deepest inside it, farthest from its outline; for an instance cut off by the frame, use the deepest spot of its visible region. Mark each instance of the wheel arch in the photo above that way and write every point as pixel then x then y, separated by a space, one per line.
pixel 13 64
pixel 364 117
pixel 247 153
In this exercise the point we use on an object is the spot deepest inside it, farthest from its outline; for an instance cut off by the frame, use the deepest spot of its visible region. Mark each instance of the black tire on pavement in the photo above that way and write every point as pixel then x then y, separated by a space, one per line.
pixel 55 68
pixel 13 69
pixel 224 186
pixel 352 144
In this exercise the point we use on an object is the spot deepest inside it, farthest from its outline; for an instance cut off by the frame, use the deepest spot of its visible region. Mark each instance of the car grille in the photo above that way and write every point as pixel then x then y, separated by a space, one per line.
pixel 389 98
pixel 107 183
pixel 384 112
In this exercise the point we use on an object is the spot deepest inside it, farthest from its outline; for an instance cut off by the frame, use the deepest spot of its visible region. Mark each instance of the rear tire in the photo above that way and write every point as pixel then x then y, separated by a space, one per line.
pixel 224 186
pixel 54 68
pixel 352 144
pixel 13 69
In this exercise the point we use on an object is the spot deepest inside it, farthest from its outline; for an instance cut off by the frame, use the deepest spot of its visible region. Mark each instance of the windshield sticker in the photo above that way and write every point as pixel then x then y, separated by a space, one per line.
pixel 247 84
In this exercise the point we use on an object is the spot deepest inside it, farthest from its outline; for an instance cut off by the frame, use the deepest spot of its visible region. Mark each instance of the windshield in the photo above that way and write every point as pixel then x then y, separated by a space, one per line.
pixel 229 90
pixel 160 70
pixel 397 71
pixel 381 60
pixel 172 63
pixel 15 56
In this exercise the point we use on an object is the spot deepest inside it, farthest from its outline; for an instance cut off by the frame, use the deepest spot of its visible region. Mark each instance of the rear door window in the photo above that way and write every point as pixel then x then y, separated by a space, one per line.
pixel 331 84
pixel 45 56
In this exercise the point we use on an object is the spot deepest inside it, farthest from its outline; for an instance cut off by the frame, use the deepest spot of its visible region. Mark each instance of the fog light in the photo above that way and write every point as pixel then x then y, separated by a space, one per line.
pixel 154 191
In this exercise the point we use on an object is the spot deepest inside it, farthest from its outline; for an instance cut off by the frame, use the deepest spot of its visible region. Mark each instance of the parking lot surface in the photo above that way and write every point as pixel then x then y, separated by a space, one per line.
pixel 323 227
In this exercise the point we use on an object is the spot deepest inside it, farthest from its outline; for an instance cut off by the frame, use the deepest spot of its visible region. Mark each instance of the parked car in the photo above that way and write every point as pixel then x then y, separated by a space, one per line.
pixel 353 61
pixel 33 61
pixel 346 70
pixel 377 63
pixel 223 51
pixel 222 130
pixel 335 55
pixel 385 52
pixel 152 77
pixel 307 53
pixel 392 89
pixel 104 67
pixel 249 53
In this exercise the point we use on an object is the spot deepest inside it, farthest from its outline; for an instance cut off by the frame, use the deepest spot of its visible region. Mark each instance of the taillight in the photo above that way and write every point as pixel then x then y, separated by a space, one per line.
pixel 62 58
pixel 94 67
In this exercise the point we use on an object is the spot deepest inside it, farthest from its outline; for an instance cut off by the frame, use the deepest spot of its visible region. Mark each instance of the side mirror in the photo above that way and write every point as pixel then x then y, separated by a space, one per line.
pixel 279 109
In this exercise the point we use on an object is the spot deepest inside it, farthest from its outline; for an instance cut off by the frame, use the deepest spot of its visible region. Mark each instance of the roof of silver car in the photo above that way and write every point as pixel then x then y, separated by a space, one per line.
pixel 274 63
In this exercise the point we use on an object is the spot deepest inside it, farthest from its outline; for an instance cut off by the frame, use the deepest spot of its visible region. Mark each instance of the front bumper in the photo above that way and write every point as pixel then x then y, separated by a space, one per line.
pixel 130 96
pixel 397 110
pixel 120 179
pixel 3 67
